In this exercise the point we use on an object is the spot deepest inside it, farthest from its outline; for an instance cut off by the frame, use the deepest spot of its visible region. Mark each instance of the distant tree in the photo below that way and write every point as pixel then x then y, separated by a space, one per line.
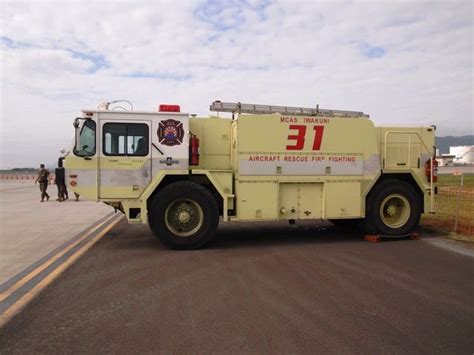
pixel 22 170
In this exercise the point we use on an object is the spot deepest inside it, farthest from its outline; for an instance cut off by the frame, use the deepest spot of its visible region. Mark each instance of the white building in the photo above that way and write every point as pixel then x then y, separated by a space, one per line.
pixel 464 154
pixel 445 159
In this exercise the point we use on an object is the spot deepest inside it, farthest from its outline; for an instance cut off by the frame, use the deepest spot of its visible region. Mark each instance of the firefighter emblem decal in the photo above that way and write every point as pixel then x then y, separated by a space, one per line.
pixel 170 132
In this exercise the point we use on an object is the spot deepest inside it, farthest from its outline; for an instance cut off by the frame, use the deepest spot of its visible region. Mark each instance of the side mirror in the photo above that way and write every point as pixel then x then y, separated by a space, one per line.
pixel 76 122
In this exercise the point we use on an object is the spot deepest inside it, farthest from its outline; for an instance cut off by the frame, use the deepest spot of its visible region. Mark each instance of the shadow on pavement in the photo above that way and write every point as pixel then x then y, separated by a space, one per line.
pixel 243 235
pixel 235 235
pixel 257 234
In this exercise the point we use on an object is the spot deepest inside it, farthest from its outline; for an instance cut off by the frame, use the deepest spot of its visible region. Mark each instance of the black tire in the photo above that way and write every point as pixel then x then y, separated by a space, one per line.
pixel 393 209
pixel 184 215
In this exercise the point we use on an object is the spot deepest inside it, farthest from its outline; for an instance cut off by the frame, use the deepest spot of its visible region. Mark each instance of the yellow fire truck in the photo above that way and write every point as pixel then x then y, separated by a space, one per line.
pixel 182 174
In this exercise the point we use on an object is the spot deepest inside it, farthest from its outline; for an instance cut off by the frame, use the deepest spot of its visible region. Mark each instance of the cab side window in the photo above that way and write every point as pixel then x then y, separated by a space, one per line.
pixel 125 139
pixel 85 143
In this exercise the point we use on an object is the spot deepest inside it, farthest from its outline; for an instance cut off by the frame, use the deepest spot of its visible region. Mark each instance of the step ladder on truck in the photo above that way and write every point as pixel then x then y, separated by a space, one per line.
pixel 182 174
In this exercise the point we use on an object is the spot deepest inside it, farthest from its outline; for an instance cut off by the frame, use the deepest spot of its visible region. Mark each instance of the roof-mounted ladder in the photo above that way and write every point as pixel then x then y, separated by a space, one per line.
pixel 237 107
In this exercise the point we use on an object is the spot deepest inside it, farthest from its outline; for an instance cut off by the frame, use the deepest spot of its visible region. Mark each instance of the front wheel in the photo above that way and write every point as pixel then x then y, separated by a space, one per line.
pixel 184 215
pixel 393 209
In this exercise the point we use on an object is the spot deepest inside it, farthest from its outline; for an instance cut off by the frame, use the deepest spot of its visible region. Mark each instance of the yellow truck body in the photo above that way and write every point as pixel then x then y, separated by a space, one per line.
pixel 259 166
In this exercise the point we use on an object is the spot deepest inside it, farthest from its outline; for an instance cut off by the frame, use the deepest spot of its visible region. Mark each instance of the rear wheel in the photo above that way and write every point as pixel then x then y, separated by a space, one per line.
pixel 393 208
pixel 184 215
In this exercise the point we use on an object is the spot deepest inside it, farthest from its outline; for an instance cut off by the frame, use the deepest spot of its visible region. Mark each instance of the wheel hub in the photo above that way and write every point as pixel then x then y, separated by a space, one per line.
pixel 392 210
pixel 184 217
pixel 395 210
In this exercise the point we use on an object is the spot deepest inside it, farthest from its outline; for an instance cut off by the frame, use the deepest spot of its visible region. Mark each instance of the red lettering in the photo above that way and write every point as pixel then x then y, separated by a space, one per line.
pixel 298 138
pixel 318 137
pixel 288 120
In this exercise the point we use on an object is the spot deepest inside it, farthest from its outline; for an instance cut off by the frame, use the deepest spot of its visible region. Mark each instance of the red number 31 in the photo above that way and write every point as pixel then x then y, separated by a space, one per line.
pixel 299 137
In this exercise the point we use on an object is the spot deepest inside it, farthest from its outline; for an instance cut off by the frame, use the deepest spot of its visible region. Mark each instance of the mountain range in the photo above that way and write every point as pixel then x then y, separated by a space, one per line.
pixel 443 143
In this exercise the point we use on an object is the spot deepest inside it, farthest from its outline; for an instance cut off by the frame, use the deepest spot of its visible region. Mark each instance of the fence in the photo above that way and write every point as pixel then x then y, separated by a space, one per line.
pixel 23 177
pixel 454 210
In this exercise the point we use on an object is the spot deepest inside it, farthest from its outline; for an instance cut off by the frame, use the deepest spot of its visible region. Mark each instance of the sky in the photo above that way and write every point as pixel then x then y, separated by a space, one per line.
pixel 404 63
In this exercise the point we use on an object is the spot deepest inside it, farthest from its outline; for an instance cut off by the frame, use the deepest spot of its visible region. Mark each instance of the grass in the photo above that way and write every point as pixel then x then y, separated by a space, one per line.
pixel 461 238
pixel 449 179
pixel 451 201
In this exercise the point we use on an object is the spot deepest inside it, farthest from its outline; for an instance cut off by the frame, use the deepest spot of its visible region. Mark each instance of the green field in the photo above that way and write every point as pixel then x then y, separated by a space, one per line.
pixel 453 202
pixel 449 179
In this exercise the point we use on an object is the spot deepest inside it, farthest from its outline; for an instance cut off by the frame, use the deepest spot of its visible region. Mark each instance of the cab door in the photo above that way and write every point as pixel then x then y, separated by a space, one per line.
pixel 125 162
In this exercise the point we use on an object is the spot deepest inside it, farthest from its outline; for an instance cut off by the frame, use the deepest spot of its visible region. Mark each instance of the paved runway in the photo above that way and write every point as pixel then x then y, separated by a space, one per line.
pixel 259 288
pixel 31 229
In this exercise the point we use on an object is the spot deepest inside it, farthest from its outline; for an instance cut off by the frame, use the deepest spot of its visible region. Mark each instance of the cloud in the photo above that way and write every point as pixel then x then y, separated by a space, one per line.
pixel 9 43
pixel 97 61
pixel 371 51
pixel 404 63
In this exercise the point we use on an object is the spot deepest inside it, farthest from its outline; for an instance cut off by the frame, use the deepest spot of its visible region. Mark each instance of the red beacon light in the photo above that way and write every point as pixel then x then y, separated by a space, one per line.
pixel 169 108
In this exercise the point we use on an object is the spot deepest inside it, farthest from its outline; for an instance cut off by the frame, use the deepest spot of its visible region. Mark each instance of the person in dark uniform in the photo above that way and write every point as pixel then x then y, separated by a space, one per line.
pixel 60 181
pixel 43 179
pixel 66 193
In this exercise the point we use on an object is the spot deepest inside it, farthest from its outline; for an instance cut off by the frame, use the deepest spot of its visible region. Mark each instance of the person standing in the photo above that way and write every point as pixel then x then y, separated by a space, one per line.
pixel 60 180
pixel 43 179
pixel 66 193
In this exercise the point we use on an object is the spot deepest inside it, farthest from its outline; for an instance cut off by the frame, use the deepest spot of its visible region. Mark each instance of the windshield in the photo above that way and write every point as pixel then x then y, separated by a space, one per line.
pixel 85 142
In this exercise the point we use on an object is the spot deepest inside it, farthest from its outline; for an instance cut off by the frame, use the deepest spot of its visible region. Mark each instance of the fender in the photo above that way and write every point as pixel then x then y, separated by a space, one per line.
pixel 225 196
pixel 160 176
pixel 403 174
pixel 157 179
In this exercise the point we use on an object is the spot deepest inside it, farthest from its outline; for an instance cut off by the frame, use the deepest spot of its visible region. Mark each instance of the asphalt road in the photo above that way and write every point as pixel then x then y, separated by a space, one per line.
pixel 257 289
